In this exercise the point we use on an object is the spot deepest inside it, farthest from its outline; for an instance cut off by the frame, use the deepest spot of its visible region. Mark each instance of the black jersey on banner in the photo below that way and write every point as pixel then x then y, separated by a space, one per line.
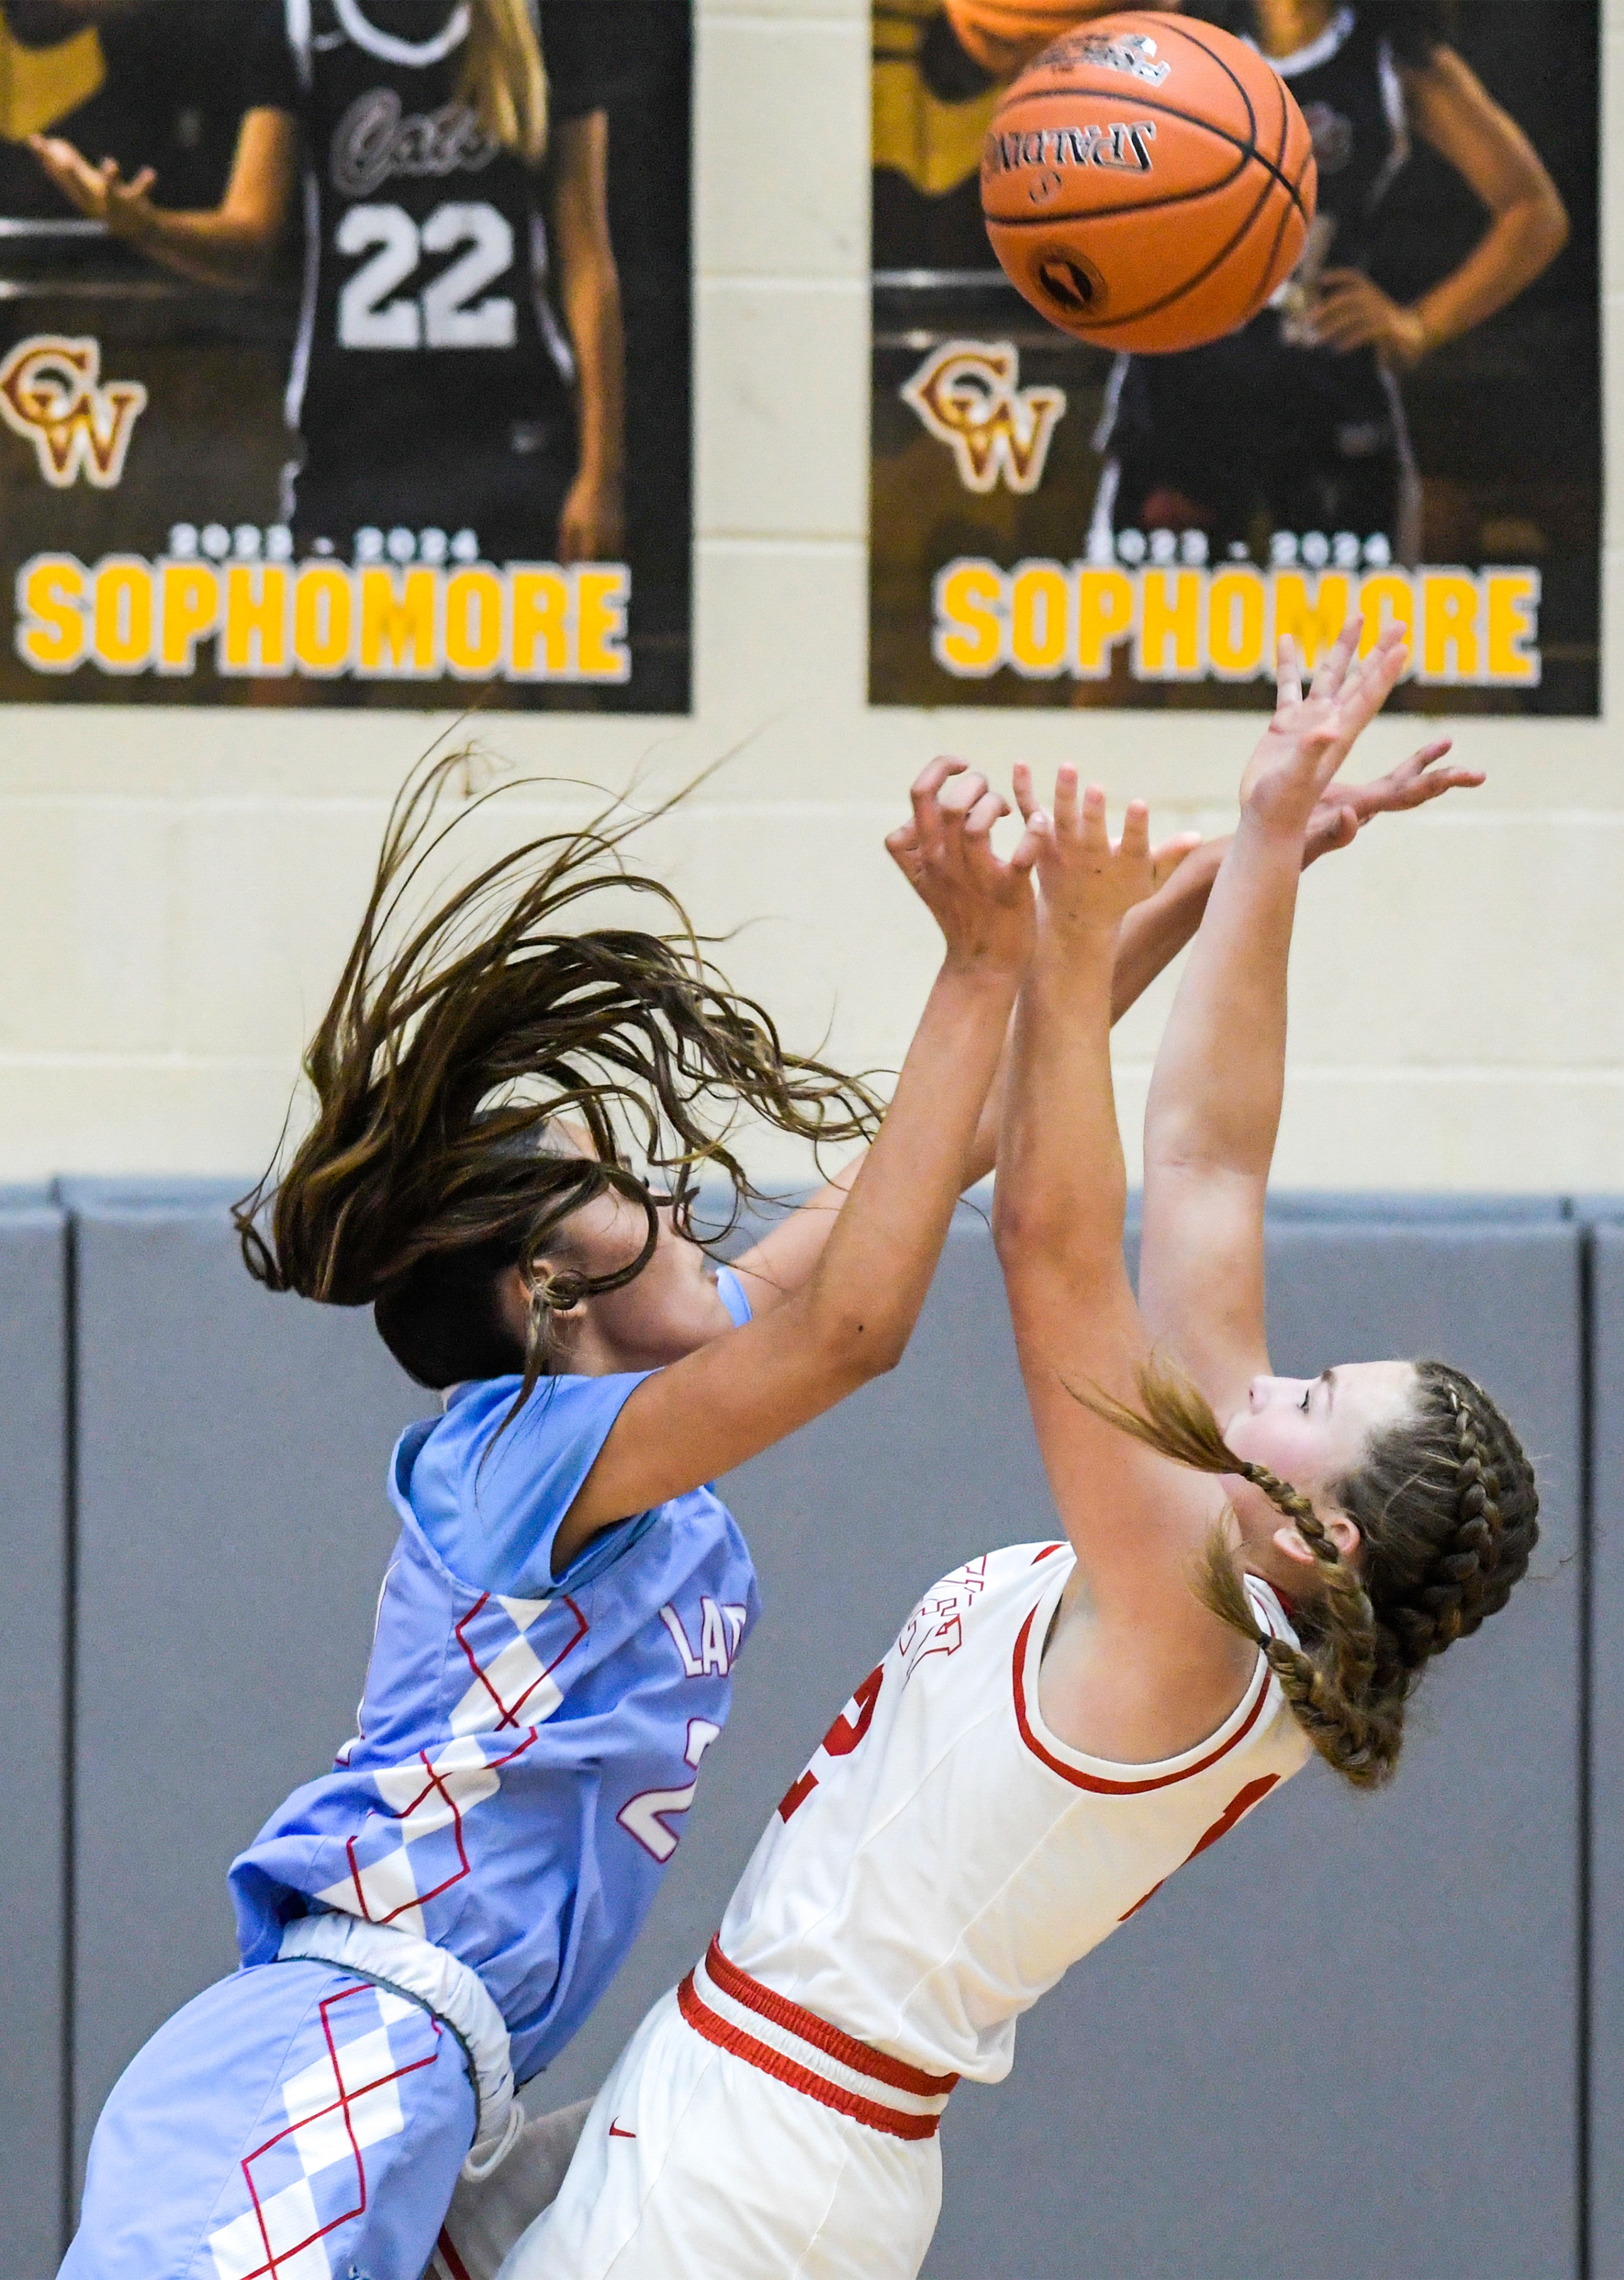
pixel 431 383
pixel 1266 430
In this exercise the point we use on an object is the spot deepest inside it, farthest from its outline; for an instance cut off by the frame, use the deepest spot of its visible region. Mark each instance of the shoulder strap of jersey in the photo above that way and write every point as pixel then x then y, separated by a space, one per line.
pixel 299 41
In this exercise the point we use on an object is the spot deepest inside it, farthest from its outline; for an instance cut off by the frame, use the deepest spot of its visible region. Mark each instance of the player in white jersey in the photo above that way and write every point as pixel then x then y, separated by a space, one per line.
pixel 1059 1727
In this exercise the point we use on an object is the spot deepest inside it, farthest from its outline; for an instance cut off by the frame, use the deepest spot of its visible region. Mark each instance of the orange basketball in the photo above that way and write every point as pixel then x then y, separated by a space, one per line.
pixel 1148 182
pixel 1003 35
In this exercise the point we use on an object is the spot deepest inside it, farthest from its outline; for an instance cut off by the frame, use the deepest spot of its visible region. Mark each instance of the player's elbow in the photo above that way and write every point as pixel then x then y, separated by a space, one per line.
pixel 244 232
pixel 1018 1227
pixel 1544 226
pixel 1555 227
pixel 1039 1230
pixel 857 1344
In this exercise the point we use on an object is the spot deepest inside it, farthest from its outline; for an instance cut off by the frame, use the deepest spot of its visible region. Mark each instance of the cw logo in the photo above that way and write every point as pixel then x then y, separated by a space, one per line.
pixel 50 392
pixel 966 394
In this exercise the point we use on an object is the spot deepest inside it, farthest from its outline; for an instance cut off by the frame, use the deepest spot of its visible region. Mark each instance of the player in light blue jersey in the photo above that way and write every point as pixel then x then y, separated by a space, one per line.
pixel 556 1633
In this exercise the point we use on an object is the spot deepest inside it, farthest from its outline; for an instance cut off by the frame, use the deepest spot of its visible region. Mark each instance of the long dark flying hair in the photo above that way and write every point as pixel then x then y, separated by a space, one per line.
pixel 1446 1507
pixel 441 1064
pixel 1414 29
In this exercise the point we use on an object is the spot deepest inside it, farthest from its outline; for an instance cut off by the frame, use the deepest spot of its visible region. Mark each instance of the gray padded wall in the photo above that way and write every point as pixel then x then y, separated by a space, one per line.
pixel 233 1533
pixel 1606 2007
pixel 33 1656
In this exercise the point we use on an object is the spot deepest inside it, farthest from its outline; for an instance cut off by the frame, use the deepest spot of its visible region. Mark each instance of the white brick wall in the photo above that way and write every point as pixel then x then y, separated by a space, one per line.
pixel 177 887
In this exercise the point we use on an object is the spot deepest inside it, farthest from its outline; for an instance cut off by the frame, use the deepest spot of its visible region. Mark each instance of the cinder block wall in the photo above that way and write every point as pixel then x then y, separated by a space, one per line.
pixel 175 887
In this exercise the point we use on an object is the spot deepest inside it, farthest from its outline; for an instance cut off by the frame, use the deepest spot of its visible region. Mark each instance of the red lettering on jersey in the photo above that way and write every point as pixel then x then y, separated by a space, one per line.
pixel 1237 1808
pixel 841 1738
pixel 795 1795
pixel 958 1594
pixel 946 1638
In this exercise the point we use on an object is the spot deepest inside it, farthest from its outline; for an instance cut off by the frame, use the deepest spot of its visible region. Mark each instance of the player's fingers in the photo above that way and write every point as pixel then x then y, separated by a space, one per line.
pixel 1021 782
pixel 1033 839
pixel 924 794
pixel 961 794
pixel 139 188
pixel 1339 658
pixel 1096 837
pixel 1380 673
pixel 1288 673
pixel 1432 783
pixel 934 773
pixel 1165 859
pixel 1422 759
pixel 980 819
pixel 1390 661
pixel 1405 774
pixel 904 850
pixel 1065 799
pixel 62 162
pixel 1137 831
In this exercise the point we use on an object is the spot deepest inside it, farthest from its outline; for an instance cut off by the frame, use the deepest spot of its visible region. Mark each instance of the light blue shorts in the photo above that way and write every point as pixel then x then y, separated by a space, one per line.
pixel 293 2123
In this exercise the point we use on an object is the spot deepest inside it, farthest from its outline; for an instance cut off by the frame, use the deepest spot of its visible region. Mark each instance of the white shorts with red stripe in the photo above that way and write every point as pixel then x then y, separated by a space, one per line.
pixel 739 2138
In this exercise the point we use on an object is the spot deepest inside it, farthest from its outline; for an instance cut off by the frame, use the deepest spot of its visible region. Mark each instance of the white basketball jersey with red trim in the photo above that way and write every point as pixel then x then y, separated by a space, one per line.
pixel 944 1858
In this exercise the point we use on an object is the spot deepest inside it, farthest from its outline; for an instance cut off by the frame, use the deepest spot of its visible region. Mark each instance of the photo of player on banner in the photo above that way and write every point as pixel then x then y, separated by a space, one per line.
pixel 1410 427
pixel 320 317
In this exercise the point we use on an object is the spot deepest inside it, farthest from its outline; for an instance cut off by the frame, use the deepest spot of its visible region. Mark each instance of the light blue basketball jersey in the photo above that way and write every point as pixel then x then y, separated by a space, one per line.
pixel 527 1748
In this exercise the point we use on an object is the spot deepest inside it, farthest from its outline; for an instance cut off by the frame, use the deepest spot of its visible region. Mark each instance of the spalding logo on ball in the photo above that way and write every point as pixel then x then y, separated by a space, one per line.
pixel 1148 182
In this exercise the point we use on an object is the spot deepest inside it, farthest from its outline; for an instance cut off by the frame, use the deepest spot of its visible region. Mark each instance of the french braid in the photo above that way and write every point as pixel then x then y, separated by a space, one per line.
pixel 1446 1507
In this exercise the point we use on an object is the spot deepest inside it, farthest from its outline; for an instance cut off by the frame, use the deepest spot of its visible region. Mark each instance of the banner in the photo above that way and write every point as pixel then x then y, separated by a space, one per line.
pixel 359 374
pixel 1411 429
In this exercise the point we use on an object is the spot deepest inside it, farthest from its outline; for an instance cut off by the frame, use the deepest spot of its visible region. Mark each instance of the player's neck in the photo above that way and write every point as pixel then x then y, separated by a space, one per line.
pixel 1285 26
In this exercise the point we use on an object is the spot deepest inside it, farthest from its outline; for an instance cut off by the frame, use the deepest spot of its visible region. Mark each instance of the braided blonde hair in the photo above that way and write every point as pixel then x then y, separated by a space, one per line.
pixel 504 77
pixel 1446 1507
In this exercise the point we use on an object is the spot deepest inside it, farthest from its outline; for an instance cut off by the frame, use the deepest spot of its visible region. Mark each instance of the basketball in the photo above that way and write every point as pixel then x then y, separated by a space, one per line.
pixel 1003 35
pixel 1148 182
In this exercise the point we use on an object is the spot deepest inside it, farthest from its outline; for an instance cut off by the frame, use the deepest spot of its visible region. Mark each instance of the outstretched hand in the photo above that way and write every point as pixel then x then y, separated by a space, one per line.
pixel 1087 880
pixel 1344 809
pixel 983 904
pixel 101 191
pixel 1312 735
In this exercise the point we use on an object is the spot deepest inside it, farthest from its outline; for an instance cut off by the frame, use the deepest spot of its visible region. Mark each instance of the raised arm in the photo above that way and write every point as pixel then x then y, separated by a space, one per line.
pixel 233 244
pixel 853 1316
pixel 1213 1109
pixel 1137 1668
pixel 1153 934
